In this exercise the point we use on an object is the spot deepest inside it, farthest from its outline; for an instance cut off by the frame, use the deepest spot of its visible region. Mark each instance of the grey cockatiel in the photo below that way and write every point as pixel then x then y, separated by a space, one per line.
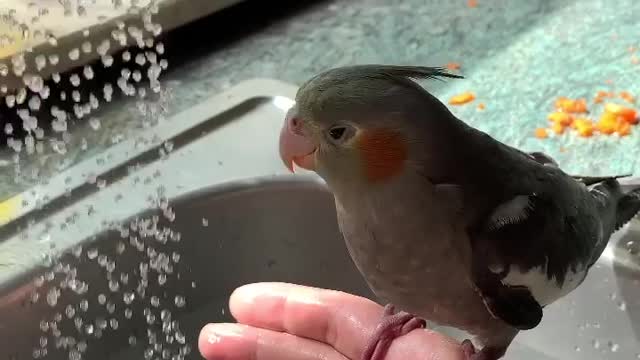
pixel 445 222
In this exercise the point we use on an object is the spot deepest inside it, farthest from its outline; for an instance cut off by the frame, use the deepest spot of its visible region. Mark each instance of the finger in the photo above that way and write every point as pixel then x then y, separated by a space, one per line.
pixel 342 320
pixel 242 342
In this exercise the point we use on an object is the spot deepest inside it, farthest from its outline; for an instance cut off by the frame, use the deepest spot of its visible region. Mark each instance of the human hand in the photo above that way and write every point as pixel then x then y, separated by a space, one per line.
pixel 279 321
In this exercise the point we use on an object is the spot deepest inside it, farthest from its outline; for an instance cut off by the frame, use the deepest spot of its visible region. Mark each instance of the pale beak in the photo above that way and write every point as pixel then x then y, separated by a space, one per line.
pixel 295 146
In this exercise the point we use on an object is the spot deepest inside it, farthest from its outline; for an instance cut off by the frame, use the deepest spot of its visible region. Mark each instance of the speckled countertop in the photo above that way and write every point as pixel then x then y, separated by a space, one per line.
pixel 517 56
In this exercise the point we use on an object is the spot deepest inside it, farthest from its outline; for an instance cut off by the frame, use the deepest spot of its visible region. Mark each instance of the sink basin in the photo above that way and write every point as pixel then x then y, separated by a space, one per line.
pixel 155 253
pixel 275 229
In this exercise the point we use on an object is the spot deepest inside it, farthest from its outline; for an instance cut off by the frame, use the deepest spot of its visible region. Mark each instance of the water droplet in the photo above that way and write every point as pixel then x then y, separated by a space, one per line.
pixel 92 253
pixel 102 299
pixel 94 123
pixel 101 323
pixel 596 344
pixel 84 305
pixel 114 286
pixel 622 306
pixel 75 355
pixel 89 329
pixel 140 59
pixel 21 96
pixel 10 101
pixel 111 307
pixel 205 222
pixel 180 301
pixel 88 72
pixel 41 62
pixel 4 69
pixel 86 47
pixel 128 313
pixel 107 60
pixel 126 56
pixel 52 296
pixel 74 79
pixel 155 301
pixel 128 297
pixel 54 59
pixel 74 54
pixel 162 279
pixel 613 346
pixel 52 40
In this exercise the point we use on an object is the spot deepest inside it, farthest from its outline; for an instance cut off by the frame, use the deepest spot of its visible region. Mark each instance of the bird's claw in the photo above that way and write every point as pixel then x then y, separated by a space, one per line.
pixel 487 353
pixel 391 326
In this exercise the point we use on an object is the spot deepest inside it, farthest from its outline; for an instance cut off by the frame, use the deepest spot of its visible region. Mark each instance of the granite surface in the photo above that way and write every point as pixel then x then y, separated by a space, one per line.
pixel 516 55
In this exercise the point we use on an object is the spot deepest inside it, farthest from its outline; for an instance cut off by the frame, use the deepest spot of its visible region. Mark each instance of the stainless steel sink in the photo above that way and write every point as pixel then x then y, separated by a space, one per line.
pixel 270 230
pixel 186 228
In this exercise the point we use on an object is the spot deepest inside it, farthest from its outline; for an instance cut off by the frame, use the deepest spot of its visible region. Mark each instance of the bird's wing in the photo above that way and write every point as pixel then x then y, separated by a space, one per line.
pixel 496 244
pixel 522 255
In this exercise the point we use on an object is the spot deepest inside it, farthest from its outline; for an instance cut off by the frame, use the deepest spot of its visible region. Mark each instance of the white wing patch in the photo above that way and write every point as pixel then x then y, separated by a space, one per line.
pixel 543 289
pixel 511 212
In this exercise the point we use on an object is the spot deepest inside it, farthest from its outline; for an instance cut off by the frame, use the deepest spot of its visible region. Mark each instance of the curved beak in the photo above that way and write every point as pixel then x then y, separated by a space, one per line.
pixel 295 146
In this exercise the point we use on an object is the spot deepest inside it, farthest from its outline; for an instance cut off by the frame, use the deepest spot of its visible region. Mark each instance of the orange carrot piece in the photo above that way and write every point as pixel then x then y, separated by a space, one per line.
pixel 541 133
pixel 453 66
pixel 557 128
pixel 561 118
pixel 628 114
pixel 461 99
pixel 626 96
pixel 624 128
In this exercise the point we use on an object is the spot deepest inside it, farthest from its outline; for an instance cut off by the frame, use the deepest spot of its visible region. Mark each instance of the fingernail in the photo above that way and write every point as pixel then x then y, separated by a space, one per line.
pixel 248 293
pixel 217 332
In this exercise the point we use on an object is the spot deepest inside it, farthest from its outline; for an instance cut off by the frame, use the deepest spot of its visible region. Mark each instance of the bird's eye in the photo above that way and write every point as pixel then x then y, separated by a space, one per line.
pixel 337 132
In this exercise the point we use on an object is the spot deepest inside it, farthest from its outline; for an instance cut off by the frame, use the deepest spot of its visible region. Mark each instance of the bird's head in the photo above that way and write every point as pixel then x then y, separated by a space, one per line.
pixel 360 124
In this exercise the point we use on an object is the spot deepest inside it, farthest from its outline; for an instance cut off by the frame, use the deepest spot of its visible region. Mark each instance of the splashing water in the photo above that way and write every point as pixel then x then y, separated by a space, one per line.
pixel 90 294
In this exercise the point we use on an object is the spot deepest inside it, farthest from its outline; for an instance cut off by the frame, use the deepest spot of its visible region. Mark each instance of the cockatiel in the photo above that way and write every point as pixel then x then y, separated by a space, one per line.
pixel 444 222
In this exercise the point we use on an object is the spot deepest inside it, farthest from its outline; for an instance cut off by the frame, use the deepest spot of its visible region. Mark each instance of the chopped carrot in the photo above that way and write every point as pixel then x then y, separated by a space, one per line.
pixel 624 128
pixel 557 128
pixel 584 127
pixel 453 66
pixel 461 99
pixel 472 3
pixel 626 96
pixel 541 133
pixel 632 49
pixel 563 149
pixel 571 105
pixel 600 95
pixel 561 118
pixel 628 114
pixel 585 131
pixel 607 124
pixel 481 106
pixel 634 60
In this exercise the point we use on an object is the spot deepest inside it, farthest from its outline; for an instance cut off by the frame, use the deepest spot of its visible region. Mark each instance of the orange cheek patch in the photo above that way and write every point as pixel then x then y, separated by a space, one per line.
pixel 383 153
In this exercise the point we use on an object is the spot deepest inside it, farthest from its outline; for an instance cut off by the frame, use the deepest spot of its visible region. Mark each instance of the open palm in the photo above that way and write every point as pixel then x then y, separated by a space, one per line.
pixel 279 321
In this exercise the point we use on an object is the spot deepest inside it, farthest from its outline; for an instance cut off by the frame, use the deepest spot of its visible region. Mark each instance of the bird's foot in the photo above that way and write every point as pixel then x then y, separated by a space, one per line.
pixel 487 353
pixel 392 326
